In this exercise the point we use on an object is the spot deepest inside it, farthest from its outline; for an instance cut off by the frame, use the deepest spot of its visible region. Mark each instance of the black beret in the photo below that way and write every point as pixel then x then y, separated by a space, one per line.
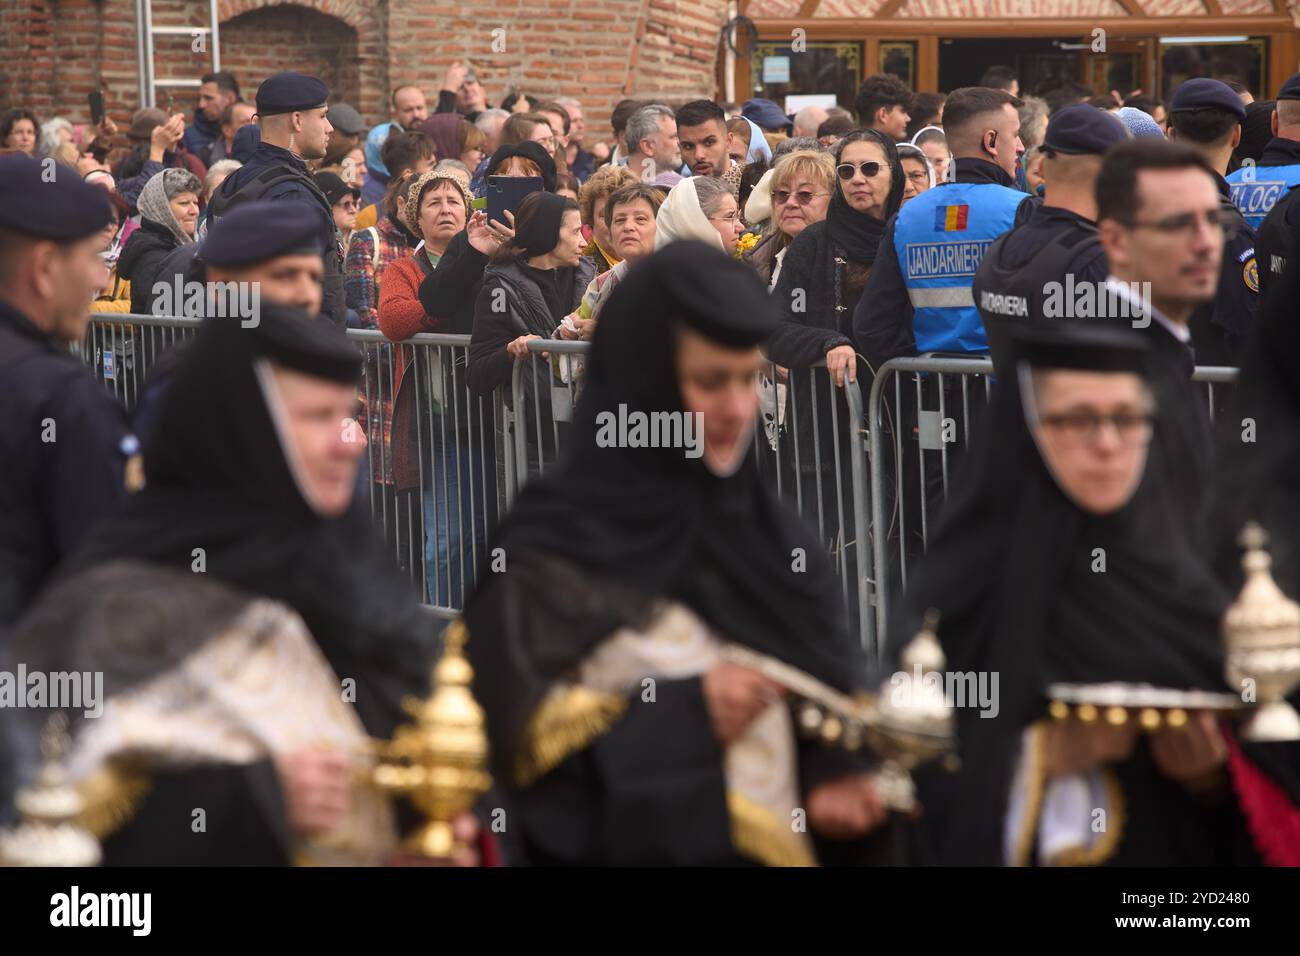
pixel 290 92
pixel 47 200
pixel 1290 89
pixel 334 188
pixel 262 230
pixel 1082 130
pixel 1204 93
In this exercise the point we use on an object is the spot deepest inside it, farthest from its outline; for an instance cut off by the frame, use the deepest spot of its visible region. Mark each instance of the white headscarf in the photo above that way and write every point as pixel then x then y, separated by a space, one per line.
pixel 157 194
pixel 758 207
pixel 680 217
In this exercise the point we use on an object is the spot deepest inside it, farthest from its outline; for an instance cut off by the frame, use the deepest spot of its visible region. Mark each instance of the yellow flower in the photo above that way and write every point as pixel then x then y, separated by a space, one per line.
pixel 746 242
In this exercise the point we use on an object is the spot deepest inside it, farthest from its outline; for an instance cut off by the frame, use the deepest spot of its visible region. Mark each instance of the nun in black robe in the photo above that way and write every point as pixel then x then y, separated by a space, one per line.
pixel 1013 571
pixel 231 621
pixel 620 576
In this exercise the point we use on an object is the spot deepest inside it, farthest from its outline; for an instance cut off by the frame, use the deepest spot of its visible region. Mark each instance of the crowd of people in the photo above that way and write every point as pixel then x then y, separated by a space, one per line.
pixel 705 247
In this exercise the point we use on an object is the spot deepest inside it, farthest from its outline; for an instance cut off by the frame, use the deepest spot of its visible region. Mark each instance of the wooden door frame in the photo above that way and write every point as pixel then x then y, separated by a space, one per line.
pixel 1283 57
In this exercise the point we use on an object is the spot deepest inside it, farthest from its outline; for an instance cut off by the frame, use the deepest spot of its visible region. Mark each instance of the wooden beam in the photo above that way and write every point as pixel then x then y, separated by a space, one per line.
pixel 1213 8
pixel 809 8
pixel 1132 9
pixel 888 9
pixel 846 28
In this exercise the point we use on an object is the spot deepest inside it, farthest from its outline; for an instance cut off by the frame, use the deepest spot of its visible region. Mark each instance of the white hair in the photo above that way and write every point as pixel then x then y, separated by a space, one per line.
pixel 488 117
pixel 644 123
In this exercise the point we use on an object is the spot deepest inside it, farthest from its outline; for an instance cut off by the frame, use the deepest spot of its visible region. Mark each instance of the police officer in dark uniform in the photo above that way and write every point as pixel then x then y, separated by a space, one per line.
pixel 1034 269
pixel 67 452
pixel 1276 246
pixel 291 112
pixel 1206 115
pixel 1257 188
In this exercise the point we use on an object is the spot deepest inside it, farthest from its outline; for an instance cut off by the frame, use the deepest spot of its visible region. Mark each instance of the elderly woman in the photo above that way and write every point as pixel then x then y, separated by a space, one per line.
pixel 917 170
pixel 630 215
pixel 703 208
pixel 595 193
pixel 437 208
pixel 821 281
pixel 800 189
pixel 169 213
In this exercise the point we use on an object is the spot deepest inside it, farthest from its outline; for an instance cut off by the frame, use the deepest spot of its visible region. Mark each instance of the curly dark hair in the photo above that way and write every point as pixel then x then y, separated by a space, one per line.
pixel 880 90
pixel 12 116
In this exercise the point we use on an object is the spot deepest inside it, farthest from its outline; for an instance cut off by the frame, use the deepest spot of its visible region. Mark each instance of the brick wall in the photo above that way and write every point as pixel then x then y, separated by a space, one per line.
pixel 54 52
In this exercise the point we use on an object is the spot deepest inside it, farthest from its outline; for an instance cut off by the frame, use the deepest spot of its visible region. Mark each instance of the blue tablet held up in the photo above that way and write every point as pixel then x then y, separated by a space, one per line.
pixel 506 193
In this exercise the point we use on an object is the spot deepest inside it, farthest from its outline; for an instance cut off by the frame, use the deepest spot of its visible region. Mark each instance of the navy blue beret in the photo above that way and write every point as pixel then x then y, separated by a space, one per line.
pixel 765 114
pixel 1204 93
pixel 47 200
pixel 261 230
pixel 1290 89
pixel 1082 130
pixel 290 92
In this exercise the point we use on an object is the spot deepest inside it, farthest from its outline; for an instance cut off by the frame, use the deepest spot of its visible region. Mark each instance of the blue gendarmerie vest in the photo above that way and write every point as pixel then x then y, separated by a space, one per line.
pixel 940 237
pixel 1256 189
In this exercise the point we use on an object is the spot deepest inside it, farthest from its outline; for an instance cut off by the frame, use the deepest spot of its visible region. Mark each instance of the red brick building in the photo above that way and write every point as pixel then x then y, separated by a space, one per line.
pixel 54 52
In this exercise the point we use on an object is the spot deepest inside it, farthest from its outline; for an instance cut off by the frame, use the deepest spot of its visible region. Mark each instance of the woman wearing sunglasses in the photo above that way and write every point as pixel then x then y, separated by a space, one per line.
pixel 800 189
pixel 827 266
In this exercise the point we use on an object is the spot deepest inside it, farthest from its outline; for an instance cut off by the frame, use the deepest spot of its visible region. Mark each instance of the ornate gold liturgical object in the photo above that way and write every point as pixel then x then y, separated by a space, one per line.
pixel 49 834
pixel 440 761
pixel 1261 636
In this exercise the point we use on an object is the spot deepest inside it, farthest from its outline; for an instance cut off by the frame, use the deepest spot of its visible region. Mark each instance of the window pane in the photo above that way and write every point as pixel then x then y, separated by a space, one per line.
pixel 1238 59
pixel 823 67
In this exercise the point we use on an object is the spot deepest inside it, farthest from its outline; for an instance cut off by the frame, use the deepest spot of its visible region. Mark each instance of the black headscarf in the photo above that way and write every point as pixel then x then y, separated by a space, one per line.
pixel 1011 568
pixel 526 150
pixel 652 521
pixel 857 233
pixel 541 232
pixel 218 480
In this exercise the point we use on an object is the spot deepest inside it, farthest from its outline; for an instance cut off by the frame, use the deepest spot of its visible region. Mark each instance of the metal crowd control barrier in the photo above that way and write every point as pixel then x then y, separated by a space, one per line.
pixel 938 410
pixel 824 478
pixel 436 486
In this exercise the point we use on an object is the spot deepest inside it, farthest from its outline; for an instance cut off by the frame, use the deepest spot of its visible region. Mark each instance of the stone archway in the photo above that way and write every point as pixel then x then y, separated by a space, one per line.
pixel 262 38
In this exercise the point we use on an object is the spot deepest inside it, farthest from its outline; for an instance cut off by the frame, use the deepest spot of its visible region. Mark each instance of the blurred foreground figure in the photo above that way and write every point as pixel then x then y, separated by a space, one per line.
pixel 1058 566
pixel 600 630
pixel 249 635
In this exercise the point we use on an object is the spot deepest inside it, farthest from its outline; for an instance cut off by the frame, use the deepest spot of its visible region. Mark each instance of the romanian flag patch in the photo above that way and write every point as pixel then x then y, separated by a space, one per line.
pixel 951 218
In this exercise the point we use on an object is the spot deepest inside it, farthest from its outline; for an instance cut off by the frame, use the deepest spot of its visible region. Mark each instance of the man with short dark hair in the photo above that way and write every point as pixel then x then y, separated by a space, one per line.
pixel 295 128
pixel 409 107
pixel 1162 227
pixel 1207 115
pixel 233 118
pixel 405 151
pixel 918 297
pixel 882 103
pixel 1001 78
pixel 702 137
pixel 462 92
pixel 216 92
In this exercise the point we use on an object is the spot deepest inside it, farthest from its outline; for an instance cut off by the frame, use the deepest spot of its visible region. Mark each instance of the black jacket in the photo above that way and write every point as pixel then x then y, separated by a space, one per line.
pixel 450 291
pixel 144 253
